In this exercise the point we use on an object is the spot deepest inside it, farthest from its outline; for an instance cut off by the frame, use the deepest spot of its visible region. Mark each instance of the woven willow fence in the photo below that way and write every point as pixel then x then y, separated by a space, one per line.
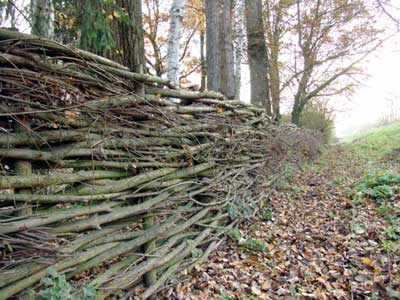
pixel 129 188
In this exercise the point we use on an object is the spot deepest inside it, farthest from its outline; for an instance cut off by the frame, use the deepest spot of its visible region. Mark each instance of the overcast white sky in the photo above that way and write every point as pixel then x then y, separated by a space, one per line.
pixel 370 102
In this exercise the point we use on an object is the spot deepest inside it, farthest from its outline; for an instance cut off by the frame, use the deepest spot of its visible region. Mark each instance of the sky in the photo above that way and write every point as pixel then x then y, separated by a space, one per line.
pixel 377 95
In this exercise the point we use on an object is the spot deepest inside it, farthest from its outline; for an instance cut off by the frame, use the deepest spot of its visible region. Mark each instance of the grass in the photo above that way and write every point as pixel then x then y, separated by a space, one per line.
pixel 375 143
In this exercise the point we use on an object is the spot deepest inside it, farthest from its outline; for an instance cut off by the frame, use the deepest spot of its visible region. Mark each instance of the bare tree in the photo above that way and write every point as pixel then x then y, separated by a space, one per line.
pixel 276 13
pixel 154 19
pixel 332 38
pixel 387 7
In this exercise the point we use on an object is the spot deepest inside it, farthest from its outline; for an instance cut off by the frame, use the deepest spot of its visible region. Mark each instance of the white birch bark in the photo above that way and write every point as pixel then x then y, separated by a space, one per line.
pixel 175 34
pixel 239 46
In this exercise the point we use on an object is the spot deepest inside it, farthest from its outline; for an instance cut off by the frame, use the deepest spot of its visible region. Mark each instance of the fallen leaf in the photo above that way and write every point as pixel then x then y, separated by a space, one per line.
pixel 367 261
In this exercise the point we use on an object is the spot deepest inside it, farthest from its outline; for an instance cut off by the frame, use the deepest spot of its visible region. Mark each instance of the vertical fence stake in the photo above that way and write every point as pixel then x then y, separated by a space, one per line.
pixel 23 168
pixel 150 278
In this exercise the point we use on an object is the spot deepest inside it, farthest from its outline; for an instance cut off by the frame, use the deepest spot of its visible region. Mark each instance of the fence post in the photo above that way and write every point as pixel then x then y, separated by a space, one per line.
pixel 150 277
pixel 23 168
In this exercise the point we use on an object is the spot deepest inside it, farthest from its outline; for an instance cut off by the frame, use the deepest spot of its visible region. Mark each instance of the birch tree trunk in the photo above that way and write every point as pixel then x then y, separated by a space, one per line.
pixel 257 55
pixel 239 46
pixel 175 34
pixel 42 18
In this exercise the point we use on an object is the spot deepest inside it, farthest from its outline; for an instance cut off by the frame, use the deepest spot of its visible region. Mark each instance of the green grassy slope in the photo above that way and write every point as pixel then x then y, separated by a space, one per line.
pixel 375 143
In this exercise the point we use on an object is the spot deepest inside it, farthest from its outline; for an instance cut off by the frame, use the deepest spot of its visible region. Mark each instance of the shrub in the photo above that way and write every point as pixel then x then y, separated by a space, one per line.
pixel 318 116
pixel 378 187
pixel 266 215
pixel 393 233
pixel 234 234
pixel 255 245
pixel 240 208
pixel 381 192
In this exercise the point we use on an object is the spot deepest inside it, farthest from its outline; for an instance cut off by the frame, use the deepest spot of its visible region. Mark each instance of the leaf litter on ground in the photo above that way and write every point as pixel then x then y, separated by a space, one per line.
pixel 316 241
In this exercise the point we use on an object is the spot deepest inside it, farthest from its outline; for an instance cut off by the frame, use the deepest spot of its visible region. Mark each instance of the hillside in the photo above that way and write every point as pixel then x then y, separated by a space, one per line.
pixel 376 143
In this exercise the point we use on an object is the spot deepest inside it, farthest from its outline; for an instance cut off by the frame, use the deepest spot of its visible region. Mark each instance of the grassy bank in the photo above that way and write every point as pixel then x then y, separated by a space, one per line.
pixel 376 143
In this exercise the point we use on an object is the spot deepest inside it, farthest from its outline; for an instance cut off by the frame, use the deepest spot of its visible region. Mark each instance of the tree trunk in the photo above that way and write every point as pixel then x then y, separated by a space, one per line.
pixel 274 33
pixel 227 60
pixel 213 57
pixel 42 18
pixel 298 107
pixel 239 46
pixel 220 60
pixel 203 61
pixel 175 34
pixel 275 84
pixel 300 99
pixel 13 19
pixel 129 38
pixel 296 116
pixel 257 55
